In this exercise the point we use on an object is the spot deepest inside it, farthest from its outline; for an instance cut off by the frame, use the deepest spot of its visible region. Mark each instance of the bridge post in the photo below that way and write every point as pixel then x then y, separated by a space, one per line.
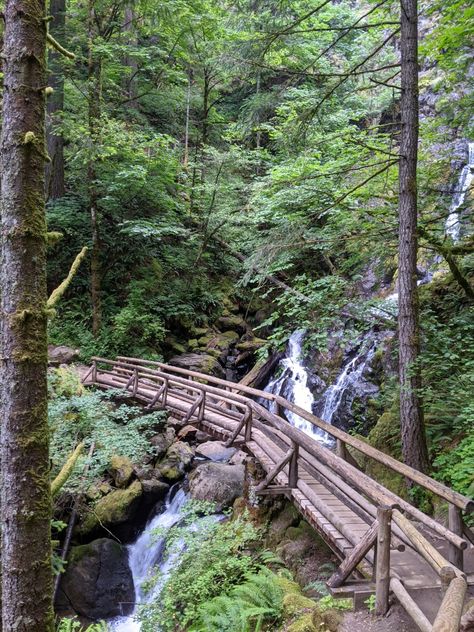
pixel 248 425
pixel 382 561
pixel 94 371
pixel 202 407
pixel 135 381
pixel 165 392
pixel 293 467
pixel 455 524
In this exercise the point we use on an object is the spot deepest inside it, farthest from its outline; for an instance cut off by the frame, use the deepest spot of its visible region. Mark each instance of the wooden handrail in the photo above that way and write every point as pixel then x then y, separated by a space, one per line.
pixel 463 502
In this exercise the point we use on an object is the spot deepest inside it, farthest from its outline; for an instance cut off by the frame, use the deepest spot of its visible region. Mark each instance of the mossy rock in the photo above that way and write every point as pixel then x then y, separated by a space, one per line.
pixel 303 624
pixel 193 344
pixel 251 345
pixel 121 470
pixel 116 508
pixel 296 603
pixel 232 323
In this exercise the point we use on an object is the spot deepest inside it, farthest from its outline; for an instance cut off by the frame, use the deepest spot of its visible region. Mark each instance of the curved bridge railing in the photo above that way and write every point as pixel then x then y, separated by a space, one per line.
pixel 368 526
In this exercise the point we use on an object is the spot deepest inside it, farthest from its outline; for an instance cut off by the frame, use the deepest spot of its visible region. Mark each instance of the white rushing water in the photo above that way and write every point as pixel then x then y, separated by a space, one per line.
pixel 453 224
pixel 347 380
pixel 145 554
pixel 292 384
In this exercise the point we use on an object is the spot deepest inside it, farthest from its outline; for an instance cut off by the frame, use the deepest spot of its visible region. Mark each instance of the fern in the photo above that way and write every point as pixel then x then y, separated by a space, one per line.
pixel 246 608
pixel 72 625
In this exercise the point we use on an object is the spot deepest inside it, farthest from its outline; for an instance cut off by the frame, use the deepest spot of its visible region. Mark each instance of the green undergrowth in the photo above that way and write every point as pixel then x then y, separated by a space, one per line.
pixel 108 420
pixel 225 582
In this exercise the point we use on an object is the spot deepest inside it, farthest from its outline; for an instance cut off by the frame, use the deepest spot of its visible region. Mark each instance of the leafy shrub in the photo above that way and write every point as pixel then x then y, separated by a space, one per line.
pixel 94 418
pixel 216 558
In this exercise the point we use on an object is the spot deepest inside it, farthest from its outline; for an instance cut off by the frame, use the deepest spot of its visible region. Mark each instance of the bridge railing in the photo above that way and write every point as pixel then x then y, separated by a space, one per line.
pixel 207 393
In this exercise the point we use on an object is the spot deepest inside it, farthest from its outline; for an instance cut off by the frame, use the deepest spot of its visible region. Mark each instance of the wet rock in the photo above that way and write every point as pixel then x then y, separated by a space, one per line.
pixel 62 354
pixel 121 470
pixel 177 460
pixel 162 441
pixel 215 451
pixel 98 583
pixel 218 483
pixel 116 508
pixel 154 489
pixel 200 362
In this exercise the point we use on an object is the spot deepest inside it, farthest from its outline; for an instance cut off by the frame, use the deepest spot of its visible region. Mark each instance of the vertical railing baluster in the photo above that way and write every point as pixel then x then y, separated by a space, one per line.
pixel 455 524
pixel 94 371
pixel 293 467
pixel 248 425
pixel 135 381
pixel 382 560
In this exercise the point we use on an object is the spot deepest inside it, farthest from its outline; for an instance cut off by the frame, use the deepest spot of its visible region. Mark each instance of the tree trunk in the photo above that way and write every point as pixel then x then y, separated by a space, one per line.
pixel 188 112
pixel 55 105
pixel 25 485
pixel 411 417
pixel 94 105
pixel 130 61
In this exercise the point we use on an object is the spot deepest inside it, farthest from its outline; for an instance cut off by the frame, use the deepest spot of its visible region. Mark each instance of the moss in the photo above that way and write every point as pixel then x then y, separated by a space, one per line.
pixel 303 624
pixel 192 344
pixel 296 603
pixel 121 470
pixel 115 508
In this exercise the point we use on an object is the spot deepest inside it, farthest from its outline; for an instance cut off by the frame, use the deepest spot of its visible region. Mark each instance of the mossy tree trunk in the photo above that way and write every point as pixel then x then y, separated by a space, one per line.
pixel 25 484
pixel 411 415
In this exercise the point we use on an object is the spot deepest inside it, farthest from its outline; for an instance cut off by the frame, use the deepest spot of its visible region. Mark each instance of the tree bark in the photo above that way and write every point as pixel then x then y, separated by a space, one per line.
pixel 55 105
pixel 94 105
pixel 411 417
pixel 130 61
pixel 25 485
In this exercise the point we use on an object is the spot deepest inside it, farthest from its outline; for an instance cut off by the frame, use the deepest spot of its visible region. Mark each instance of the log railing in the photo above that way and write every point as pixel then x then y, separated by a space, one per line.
pixel 388 527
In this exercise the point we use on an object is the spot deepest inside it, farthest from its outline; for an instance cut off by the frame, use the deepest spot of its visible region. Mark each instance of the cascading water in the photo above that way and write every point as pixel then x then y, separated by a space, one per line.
pixel 344 390
pixel 292 384
pixel 453 225
pixel 145 554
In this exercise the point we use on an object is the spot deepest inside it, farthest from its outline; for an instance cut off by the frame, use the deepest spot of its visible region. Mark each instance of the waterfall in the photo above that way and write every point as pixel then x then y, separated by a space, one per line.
pixel 453 226
pixel 145 554
pixel 344 390
pixel 292 384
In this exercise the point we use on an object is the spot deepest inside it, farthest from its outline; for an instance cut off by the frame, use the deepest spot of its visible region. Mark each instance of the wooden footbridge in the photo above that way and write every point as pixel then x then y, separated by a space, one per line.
pixel 386 545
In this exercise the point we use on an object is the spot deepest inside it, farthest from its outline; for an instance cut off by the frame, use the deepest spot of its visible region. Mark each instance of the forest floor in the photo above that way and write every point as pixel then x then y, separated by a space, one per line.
pixel 397 620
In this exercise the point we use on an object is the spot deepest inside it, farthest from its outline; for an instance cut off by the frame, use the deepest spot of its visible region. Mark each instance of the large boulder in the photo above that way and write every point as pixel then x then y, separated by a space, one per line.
pixel 114 509
pixel 98 583
pixel 177 460
pixel 200 362
pixel 121 470
pixel 61 354
pixel 218 483
pixel 215 451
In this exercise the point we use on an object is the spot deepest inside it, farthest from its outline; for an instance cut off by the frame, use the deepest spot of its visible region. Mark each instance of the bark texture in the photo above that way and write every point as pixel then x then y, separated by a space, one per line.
pixel 411 417
pixel 25 484
pixel 55 105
